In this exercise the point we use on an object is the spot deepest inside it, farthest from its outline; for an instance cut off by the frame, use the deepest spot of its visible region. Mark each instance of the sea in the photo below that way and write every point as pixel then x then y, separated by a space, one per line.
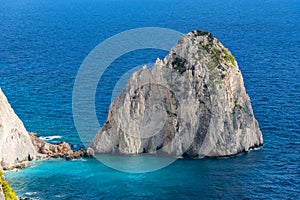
pixel 44 42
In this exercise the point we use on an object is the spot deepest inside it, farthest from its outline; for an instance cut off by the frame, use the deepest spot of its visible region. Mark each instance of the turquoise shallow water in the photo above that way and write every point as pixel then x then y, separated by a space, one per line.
pixel 184 179
pixel 43 43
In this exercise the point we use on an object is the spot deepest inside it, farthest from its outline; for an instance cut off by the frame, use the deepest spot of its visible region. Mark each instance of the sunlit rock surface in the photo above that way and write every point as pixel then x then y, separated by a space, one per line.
pixel 192 103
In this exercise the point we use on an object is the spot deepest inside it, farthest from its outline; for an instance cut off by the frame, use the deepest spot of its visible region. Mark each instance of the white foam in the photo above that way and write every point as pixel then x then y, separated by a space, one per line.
pixel 256 148
pixel 60 195
pixel 47 138
pixel 30 193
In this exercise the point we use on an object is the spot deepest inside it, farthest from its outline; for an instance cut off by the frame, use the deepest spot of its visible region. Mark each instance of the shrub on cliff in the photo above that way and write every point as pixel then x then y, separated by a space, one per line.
pixel 7 190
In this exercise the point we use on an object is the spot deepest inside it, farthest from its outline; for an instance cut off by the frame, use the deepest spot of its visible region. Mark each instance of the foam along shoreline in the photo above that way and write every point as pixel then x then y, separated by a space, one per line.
pixel 48 138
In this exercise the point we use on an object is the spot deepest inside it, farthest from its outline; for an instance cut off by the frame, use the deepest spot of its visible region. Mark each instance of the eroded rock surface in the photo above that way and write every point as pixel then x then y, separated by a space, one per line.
pixel 191 103
pixel 15 142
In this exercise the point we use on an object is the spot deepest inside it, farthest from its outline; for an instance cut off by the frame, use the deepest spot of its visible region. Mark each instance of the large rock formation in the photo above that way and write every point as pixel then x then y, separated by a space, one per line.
pixel 192 103
pixel 15 142
pixel 18 146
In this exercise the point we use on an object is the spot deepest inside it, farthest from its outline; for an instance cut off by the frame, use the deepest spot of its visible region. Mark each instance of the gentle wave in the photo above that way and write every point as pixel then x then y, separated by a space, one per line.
pixel 47 138
pixel 30 193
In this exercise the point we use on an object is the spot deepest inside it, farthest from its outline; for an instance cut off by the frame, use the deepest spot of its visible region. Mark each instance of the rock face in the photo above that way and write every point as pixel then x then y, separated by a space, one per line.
pixel 15 142
pixel 192 103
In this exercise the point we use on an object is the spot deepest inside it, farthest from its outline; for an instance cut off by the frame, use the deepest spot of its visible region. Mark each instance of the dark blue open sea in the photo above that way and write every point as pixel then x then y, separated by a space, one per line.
pixel 44 42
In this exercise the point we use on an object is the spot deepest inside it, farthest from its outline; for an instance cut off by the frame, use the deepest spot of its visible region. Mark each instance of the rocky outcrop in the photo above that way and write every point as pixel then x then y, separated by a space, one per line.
pixel 17 146
pixel 15 142
pixel 60 150
pixel 192 103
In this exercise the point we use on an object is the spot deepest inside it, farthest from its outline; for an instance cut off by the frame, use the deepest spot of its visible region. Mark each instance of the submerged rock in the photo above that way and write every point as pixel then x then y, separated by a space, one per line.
pixel 192 103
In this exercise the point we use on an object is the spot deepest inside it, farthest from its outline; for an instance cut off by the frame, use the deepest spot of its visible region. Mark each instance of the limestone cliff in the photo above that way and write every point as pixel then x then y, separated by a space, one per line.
pixel 191 103
pixel 15 142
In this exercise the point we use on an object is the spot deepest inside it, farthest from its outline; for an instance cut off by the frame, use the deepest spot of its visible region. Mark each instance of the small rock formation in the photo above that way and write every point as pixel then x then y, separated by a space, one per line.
pixel 18 146
pixel 61 150
pixel 193 103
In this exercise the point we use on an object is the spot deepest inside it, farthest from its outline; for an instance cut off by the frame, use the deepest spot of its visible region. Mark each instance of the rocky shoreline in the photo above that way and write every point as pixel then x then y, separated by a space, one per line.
pixel 60 150
pixel 18 146
pixel 47 151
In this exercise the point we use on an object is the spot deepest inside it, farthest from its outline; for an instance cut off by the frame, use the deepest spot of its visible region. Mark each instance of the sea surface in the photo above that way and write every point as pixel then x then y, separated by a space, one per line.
pixel 44 42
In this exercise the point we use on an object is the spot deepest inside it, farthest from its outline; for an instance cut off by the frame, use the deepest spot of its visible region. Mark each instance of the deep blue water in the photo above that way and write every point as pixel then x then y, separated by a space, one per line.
pixel 43 43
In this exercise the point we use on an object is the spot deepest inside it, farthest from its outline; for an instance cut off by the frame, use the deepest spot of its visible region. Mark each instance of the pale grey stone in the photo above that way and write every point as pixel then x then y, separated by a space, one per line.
pixel 198 93
pixel 15 142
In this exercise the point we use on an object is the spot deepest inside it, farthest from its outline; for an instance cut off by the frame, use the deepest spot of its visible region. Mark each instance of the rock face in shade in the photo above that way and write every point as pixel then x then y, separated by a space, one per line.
pixel 192 103
pixel 15 142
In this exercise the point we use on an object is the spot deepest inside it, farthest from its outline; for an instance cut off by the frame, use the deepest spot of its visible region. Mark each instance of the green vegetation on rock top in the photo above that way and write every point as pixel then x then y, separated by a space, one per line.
pixel 229 57
pixel 218 53
pixel 181 40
